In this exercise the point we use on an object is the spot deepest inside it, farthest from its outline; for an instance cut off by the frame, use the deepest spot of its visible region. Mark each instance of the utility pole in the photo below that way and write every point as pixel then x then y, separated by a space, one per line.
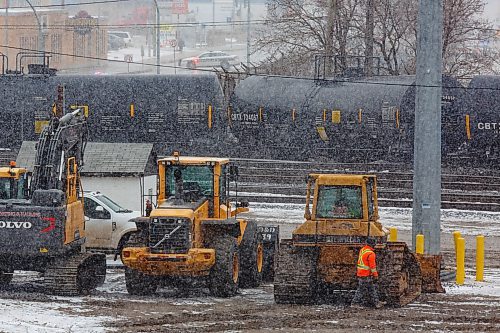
pixel 330 21
pixel 41 38
pixel 370 26
pixel 427 143
pixel 248 33
pixel 6 37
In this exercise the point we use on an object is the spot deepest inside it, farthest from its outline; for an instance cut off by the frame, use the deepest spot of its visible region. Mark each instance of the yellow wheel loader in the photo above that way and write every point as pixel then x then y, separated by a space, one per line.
pixel 320 259
pixel 194 233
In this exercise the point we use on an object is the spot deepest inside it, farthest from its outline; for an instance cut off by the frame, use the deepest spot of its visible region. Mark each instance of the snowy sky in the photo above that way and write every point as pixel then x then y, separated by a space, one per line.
pixel 492 10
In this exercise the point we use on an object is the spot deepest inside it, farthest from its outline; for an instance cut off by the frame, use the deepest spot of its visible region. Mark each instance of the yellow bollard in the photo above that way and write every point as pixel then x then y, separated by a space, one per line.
pixel 456 235
pixel 460 261
pixel 420 244
pixel 480 258
pixel 393 234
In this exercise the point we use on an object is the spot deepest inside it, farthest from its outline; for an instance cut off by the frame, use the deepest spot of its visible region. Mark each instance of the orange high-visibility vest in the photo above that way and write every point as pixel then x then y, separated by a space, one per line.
pixel 366 262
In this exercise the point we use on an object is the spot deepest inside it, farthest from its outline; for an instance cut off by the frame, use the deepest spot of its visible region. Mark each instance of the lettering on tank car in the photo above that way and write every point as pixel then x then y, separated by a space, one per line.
pixel 191 112
pixel 111 123
pixel 488 126
pixel 246 118
pixel 155 121
pixel 447 99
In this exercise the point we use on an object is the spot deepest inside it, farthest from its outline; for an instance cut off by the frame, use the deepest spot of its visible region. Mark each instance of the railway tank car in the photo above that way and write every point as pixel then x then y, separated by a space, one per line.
pixel 482 120
pixel 366 118
pixel 176 111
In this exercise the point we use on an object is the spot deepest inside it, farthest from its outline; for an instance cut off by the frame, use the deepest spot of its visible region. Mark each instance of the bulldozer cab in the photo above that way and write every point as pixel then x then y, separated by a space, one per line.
pixel 342 197
pixel 13 183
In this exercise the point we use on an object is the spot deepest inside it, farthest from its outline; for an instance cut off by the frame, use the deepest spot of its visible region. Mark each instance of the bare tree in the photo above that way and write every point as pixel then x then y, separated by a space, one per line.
pixel 298 29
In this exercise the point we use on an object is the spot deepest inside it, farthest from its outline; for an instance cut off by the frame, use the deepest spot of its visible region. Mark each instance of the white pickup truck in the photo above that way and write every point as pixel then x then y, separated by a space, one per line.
pixel 107 224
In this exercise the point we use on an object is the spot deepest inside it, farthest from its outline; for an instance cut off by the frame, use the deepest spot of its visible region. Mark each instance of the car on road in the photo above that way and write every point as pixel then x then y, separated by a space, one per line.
pixel 115 42
pixel 107 224
pixel 210 59
pixel 127 38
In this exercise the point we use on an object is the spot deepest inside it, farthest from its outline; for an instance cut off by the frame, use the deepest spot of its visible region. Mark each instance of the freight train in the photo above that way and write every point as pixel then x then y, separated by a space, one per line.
pixel 169 109
pixel 360 119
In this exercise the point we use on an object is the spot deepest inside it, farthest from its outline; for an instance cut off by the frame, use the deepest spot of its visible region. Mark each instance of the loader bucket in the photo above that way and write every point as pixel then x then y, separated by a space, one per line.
pixel 430 265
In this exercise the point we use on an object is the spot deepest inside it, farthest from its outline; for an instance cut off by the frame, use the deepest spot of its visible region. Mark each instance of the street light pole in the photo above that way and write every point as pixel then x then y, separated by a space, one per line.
pixel 248 32
pixel 41 39
pixel 157 29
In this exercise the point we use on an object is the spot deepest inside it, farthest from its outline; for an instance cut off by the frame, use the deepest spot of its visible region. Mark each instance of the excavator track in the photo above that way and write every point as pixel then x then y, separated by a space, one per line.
pixel 400 276
pixel 74 275
pixel 295 274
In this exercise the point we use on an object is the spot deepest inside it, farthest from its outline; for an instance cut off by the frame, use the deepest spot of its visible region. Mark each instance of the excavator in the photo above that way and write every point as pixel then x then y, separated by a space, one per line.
pixel 319 262
pixel 42 226
pixel 195 233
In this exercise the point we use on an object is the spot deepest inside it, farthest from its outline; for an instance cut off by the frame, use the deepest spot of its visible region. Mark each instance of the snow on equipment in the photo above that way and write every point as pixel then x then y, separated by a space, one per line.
pixel 320 259
pixel 193 232
pixel 42 229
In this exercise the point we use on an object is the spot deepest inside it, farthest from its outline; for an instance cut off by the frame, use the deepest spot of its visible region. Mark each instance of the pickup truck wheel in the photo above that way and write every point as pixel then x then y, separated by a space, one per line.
pixel 121 244
pixel 224 275
pixel 225 65
pixel 138 283
pixel 252 257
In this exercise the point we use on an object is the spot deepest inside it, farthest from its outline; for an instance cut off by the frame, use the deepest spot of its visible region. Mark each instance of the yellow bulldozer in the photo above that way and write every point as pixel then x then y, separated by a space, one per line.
pixel 194 233
pixel 320 259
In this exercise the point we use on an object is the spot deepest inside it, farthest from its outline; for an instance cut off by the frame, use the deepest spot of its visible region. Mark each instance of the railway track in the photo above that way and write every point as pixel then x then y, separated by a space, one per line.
pixel 277 181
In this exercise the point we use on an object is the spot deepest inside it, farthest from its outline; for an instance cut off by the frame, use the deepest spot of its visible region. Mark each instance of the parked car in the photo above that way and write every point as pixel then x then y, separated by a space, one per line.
pixel 107 224
pixel 115 42
pixel 210 59
pixel 127 38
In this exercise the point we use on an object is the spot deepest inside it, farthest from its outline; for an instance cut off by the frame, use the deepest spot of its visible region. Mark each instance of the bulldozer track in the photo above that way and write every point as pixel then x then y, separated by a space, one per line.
pixel 295 274
pixel 274 181
pixel 76 275
pixel 401 279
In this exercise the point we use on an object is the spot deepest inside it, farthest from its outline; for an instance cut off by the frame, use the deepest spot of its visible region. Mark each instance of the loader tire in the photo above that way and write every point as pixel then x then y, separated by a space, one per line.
pixel 138 283
pixel 224 275
pixel 251 257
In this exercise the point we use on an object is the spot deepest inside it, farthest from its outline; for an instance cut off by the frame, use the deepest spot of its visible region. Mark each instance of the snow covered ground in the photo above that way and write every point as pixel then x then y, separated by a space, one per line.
pixel 28 309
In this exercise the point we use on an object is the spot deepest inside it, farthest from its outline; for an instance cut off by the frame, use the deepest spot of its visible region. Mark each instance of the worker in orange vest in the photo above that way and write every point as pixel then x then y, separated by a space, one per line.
pixel 367 276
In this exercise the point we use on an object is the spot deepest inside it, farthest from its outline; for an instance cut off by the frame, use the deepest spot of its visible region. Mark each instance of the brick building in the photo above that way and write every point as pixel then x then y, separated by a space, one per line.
pixel 72 42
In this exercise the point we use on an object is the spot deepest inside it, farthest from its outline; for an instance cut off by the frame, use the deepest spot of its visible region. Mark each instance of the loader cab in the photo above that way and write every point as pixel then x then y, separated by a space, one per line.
pixel 342 197
pixel 13 183
pixel 190 181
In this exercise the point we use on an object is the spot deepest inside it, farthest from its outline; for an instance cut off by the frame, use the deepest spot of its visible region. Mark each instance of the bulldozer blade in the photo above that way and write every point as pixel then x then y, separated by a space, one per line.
pixel 430 265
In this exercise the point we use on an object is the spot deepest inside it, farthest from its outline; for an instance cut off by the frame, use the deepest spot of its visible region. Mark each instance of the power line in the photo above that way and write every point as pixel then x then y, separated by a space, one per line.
pixel 251 74
pixel 71 4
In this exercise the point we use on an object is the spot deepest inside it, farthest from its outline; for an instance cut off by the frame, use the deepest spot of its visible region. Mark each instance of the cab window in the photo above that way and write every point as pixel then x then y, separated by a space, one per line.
pixel 339 202
pixel 193 176
pixel 11 188
pixel 90 210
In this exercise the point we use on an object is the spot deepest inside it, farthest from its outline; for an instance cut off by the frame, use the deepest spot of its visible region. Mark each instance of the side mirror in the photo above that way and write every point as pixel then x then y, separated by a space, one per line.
pixel 233 172
pixel 99 209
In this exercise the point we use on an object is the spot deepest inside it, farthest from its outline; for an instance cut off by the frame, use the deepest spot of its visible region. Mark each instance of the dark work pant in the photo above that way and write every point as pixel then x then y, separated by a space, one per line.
pixel 367 291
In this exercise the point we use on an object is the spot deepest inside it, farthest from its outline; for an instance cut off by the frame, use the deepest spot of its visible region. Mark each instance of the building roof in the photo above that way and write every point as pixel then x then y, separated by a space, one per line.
pixel 104 159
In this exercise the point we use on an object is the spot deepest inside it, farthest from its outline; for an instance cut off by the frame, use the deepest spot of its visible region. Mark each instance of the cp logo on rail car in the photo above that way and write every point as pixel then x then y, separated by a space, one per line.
pixel 15 225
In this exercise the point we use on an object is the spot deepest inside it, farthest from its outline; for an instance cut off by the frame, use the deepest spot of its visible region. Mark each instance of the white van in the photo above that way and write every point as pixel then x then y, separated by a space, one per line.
pixel 107 224
pixel 127 38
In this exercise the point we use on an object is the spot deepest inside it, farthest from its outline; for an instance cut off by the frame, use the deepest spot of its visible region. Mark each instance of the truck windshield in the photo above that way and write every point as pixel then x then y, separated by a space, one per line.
pixel 193 176
pixel 339 202
pixel 11 188
pixel 113 205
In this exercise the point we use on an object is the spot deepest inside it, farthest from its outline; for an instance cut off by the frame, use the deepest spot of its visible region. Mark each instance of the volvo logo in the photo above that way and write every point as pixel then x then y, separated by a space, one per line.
pixel 15 225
